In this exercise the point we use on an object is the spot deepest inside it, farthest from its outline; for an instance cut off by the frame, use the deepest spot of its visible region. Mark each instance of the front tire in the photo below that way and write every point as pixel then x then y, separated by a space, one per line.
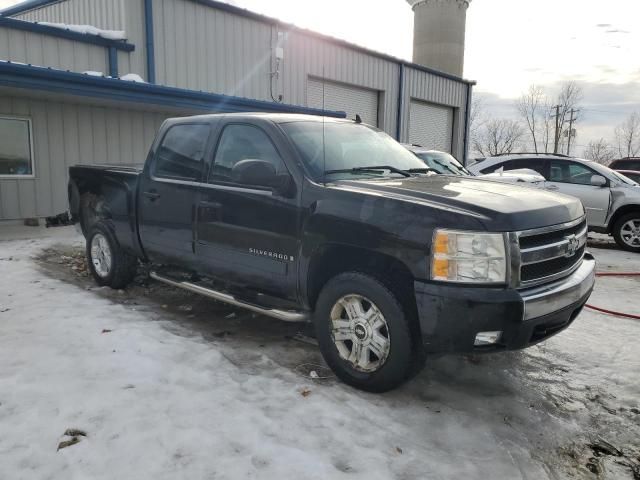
pixel 363 333
pixel 626 232
pixel 109 264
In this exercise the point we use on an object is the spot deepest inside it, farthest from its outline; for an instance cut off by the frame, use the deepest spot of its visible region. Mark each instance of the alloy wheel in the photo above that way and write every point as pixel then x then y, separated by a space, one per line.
pixel 101 255
pixel 360 333
pixel 630 233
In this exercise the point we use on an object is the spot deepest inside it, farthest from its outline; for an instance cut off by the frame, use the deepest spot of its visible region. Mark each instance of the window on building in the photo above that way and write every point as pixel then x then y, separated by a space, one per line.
pixel 181 152
pixel 243 142
pixel 16 156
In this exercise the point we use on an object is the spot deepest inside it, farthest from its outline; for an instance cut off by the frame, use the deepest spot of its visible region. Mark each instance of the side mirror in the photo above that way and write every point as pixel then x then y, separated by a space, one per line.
pixel 261 173
pixel 598 181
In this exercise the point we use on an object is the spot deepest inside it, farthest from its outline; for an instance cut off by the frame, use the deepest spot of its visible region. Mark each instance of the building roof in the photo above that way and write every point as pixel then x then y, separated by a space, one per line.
pixel 33 4
pixel 30 77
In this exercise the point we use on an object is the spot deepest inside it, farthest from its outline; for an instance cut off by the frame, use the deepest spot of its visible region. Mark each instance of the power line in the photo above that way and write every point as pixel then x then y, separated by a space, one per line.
pixel 556 137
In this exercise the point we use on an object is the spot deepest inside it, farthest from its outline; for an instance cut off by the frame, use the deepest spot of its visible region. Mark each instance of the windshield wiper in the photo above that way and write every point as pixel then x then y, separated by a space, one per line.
pixel 421 170
pixel 404 173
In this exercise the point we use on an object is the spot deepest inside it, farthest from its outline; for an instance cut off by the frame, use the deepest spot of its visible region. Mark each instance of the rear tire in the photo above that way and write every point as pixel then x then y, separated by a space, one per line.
pixel 626 232
pixel 364 333
pixel 109 264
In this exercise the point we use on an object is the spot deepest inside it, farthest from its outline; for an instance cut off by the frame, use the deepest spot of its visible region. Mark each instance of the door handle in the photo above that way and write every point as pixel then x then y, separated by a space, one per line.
pixel 205 204
pixel 153 196
pixel 209 211
pixel 551 187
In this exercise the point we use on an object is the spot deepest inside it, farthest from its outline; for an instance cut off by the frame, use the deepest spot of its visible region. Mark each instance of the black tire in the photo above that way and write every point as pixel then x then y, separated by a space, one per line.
pixel 121 266
pixel 617 231
pixel 400 362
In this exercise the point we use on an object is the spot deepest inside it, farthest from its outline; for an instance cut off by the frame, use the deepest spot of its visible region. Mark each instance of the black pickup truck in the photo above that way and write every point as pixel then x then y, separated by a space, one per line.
pixel 331 221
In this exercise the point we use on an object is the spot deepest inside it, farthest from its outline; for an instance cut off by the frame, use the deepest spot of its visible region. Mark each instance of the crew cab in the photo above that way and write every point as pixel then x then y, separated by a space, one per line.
pixel 611 199
pixel 305 218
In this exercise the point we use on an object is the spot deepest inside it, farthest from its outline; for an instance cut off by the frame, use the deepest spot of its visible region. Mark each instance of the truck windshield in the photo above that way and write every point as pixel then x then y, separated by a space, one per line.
pixel 331 146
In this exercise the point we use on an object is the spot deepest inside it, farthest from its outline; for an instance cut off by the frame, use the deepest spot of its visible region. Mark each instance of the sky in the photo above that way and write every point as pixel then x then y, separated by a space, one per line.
pixel 510 45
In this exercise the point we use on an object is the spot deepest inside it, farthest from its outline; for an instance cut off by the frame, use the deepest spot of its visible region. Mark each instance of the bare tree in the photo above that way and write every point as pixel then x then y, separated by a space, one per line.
pixel 498 136
pixel 531 107
pixel 538 112
pixel 547 126
pixel 599 151
pixel 628 136
pixel 476 117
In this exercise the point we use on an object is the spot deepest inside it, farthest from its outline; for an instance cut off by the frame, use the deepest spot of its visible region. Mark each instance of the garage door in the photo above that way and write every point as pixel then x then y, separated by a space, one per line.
pixel 430 125
pixel 337 96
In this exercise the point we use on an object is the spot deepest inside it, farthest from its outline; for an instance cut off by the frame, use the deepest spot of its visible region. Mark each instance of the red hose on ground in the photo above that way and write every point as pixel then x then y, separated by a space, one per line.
pixel 613 312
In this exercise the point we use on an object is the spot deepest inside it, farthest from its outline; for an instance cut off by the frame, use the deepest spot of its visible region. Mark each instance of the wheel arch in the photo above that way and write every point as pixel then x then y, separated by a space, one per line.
pixel 333 259
pixel 623 210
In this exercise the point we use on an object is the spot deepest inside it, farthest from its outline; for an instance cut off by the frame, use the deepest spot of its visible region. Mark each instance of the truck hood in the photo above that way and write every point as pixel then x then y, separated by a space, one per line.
pixel 498 206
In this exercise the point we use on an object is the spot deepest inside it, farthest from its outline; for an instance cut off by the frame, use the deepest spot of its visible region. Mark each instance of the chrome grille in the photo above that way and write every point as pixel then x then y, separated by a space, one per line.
pixel 548 254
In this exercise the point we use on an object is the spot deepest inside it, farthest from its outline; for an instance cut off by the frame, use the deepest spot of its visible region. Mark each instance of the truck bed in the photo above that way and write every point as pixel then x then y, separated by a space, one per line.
pixel 110 192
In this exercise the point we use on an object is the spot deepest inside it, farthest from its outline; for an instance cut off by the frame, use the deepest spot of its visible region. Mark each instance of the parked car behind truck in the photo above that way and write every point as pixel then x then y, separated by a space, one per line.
pixel 304 218
pixel 612 200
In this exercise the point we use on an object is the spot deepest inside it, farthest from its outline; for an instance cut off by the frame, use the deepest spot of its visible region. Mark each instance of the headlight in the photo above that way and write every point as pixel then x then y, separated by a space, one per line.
pixel 475 257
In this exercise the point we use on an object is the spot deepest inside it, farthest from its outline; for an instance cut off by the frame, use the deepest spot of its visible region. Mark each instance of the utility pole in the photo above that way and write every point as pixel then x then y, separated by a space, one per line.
pixel 556 137
pixel 572 119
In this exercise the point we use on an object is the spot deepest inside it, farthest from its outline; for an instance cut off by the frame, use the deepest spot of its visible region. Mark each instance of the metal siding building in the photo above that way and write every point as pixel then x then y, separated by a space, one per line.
pixel 67 133
pixel 194 46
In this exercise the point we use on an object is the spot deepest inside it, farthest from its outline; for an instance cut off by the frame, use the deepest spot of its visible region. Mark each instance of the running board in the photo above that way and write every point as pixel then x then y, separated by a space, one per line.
pixel 287 316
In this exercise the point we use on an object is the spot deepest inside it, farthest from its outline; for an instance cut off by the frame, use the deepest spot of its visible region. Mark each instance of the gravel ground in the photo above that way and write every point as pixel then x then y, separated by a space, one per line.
pixel 158 383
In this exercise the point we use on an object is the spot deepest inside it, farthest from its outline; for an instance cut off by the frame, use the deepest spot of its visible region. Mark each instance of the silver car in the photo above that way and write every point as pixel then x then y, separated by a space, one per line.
pixel 611 200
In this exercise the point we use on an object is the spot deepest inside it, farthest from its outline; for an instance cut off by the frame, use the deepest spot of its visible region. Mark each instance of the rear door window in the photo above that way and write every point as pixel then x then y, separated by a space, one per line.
pixel 536 164
pixel 181 153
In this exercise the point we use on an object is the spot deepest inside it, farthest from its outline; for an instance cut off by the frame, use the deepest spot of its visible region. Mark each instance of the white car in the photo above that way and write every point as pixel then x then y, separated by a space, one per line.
pixel 611 200
pixel 444 163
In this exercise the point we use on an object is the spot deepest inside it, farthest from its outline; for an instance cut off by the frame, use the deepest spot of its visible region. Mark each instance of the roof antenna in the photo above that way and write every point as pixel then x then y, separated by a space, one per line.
pixel 324 150
pixel 358 118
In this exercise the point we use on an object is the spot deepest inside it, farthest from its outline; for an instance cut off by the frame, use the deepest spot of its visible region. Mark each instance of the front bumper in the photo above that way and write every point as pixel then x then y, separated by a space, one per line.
pixel 451 316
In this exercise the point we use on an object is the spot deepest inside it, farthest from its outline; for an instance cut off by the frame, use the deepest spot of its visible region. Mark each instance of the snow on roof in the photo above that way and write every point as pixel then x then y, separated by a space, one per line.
pixel 89 29
pixel 132 77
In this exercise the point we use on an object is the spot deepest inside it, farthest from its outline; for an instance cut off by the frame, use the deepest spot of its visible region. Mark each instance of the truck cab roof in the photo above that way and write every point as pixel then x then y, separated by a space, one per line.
pixel 271 117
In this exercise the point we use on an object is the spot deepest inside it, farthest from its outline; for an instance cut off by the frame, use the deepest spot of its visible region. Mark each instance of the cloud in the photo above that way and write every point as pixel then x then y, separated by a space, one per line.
pixel 606 68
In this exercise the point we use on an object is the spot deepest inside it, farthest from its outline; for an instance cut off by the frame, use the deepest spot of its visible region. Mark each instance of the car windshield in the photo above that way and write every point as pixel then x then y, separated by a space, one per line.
pixel 442 162
pixel 606 171
pixel 623 178
pixel 331 147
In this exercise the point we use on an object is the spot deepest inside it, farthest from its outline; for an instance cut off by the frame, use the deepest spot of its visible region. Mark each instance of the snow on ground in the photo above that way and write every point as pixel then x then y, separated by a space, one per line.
pixel 167 385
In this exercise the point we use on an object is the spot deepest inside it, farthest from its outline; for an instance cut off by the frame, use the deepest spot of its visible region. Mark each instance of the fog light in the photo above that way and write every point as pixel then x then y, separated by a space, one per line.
pixel 487 338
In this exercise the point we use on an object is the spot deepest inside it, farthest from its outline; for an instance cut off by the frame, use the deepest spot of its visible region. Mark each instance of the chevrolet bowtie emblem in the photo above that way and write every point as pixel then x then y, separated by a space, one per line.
pixel 572 246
